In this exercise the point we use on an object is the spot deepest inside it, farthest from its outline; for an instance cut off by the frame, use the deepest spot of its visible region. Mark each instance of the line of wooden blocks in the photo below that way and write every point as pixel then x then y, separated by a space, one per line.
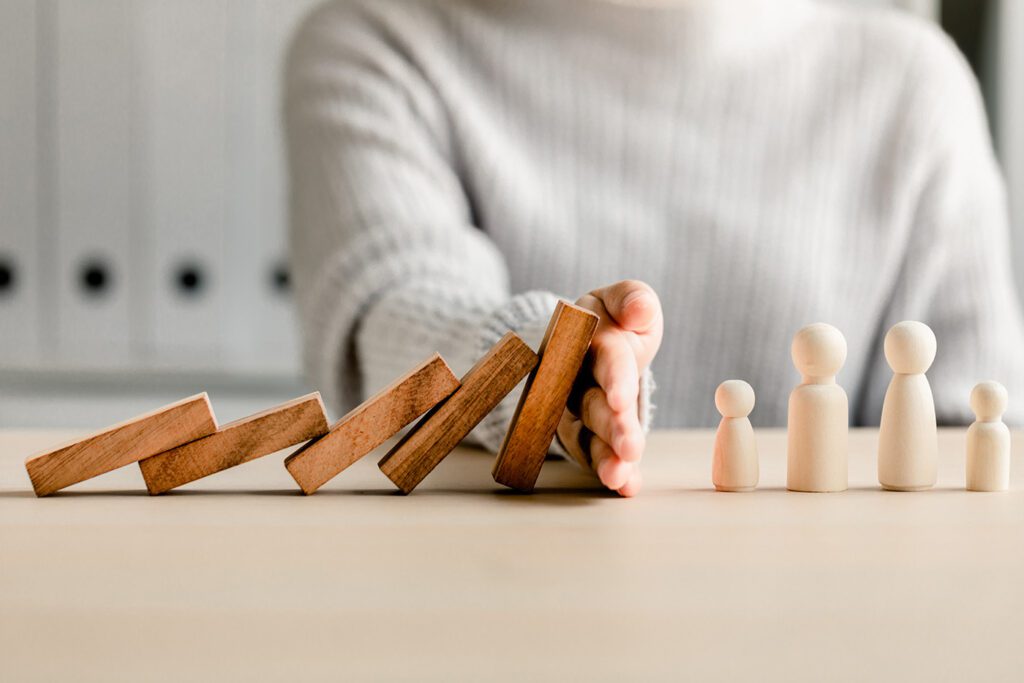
pixel 182 442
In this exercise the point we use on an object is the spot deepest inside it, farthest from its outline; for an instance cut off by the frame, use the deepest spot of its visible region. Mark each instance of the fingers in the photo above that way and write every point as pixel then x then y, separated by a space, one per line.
pixel 611 470
pixel 633 485
pixel 632 304
pixel 615 369
pixel 592 451
pixel 621 431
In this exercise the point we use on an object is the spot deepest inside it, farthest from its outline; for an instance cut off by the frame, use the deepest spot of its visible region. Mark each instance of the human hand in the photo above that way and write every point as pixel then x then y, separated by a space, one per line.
pixel 601 425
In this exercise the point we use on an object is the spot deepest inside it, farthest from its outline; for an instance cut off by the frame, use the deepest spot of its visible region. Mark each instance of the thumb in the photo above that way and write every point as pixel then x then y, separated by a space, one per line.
pixel 632 304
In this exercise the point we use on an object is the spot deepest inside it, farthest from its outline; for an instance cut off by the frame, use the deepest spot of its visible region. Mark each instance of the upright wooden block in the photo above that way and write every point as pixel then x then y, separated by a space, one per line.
pixel 372 423
pixel 121 444
pixel 237 442
pixel 441 430
pixel 547 389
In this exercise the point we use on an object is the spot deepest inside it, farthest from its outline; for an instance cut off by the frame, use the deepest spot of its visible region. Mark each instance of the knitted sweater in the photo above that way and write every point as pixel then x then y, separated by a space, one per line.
pixel 763 164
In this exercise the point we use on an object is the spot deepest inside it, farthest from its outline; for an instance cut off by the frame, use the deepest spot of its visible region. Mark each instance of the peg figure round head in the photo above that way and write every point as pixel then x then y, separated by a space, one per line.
pixel 819 351
pixel 734 398
pixel 910 347
pixel 988 401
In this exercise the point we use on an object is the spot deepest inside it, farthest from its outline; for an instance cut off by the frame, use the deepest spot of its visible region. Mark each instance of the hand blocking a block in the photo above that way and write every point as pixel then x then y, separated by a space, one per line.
pixel 533 426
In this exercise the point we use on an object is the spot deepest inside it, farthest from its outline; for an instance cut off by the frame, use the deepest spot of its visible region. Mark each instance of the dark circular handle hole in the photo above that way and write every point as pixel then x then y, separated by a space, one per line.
pixel 190 279
pixel 281 279
pixel 8 275
pixel 95 277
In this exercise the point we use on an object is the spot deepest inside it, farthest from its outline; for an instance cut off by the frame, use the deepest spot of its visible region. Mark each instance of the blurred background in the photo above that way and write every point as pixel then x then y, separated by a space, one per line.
pixel 143 236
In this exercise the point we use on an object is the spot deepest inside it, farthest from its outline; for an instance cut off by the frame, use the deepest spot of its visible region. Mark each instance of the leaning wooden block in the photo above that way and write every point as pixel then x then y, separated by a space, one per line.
pixel 236 443
pixel 547 389
pixel 441 430
pixel 372 423
pixel 121 444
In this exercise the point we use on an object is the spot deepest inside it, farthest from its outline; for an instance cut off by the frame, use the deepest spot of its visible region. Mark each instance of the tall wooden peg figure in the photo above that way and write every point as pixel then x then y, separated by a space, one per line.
pixel 734 466
pixel 819 421
pixel 988 440
pixel 908 439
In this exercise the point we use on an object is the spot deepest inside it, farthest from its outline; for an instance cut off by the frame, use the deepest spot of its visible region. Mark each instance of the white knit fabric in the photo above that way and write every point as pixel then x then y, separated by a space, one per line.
pixel 455 165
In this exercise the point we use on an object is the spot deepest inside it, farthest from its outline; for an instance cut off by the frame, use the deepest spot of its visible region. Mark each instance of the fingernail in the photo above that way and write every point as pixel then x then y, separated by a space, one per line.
pixel 633 486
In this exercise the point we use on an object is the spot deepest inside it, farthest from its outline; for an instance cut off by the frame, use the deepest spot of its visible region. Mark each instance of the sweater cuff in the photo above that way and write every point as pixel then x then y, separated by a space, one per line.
pixel 645 407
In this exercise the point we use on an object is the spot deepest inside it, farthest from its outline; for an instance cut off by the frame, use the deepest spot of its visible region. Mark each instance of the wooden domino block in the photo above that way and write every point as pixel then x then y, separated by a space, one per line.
pixel 237 442
pixel 441 430
pixel 372 423
pixel 547 389
pixel 121 444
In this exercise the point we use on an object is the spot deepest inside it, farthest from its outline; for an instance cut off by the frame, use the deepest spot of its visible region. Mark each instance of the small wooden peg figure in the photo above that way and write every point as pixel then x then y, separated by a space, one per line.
pixel 908 440
pixel 734 466
pixel 988 440
pixel 819 421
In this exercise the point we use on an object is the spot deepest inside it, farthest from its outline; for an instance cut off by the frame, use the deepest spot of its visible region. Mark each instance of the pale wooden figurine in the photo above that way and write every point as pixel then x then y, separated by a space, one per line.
pixel 908 442
pixel 734 465
pixel 818 413
pixel 988 440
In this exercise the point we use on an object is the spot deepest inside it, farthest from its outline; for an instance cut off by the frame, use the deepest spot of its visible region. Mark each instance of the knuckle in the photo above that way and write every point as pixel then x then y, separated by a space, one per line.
pixel 634 285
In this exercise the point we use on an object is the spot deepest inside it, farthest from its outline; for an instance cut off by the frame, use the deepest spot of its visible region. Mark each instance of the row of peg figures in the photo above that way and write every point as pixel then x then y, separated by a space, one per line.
pixel 818 426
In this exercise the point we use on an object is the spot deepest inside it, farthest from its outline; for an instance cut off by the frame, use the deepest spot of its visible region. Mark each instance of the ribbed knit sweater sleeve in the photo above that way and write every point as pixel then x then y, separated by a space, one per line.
pixel 389 264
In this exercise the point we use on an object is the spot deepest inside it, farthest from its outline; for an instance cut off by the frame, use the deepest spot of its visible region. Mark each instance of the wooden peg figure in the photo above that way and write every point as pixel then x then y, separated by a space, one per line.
pixel 988 440
pixel 818 413
pixel 734 466
pixel 908 439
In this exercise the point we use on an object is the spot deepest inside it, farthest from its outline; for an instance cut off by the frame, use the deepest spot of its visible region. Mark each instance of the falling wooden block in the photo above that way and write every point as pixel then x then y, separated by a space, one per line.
pixel 441 430
pixel 547 389
pixel 372 423
pixel 121 444
pixel 237 442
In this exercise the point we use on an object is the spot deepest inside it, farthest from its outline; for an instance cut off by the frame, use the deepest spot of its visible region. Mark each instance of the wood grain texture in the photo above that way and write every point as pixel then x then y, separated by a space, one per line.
pixel 372 423
pixel 237 442
pixel 547 389
pixel 441 430
pixel 121 444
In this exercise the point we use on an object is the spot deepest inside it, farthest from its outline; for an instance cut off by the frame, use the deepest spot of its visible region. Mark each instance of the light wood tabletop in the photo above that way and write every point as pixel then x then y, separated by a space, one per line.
pixel 239 576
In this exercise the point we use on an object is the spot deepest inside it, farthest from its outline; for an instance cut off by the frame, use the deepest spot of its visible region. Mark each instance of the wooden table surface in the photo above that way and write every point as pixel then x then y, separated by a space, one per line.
pixel 240 577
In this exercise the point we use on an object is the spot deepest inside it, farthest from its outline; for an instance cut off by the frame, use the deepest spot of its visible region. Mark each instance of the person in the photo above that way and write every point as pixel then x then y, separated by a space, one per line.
pixel 710 175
